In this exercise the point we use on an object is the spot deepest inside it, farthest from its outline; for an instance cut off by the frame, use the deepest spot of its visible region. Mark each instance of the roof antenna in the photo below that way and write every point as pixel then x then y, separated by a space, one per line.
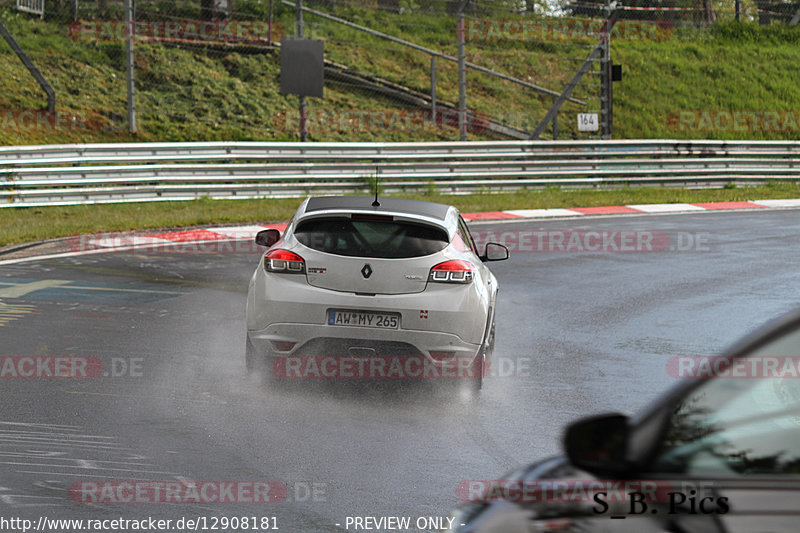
pixel 376 203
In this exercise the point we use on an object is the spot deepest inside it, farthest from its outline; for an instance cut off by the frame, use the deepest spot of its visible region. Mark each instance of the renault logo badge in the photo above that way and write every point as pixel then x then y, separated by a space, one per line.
pixel 366 271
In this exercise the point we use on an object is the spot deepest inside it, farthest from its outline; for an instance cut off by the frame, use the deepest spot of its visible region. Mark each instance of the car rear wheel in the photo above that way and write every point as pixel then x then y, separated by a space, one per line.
pixel 474 384
pixel 255 363
pixel 489 350
pixel 468 387
pixel 478 366
pixel 481 363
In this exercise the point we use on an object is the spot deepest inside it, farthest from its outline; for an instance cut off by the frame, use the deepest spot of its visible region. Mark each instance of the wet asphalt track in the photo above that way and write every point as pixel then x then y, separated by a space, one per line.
pixel 581 332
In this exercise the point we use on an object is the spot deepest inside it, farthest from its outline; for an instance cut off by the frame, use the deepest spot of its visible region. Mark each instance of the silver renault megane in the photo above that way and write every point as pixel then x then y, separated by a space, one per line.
pixel 360 287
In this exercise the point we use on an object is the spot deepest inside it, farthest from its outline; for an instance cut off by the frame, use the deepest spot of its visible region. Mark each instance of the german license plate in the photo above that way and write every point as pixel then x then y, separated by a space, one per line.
pixel 364 319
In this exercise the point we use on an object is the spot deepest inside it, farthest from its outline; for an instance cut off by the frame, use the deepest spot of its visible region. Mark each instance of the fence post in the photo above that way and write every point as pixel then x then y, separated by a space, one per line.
pixel 129 66
pixel 269 28
pixel 605 74
pixel 303 127
pixel 462 74
pixel 433 90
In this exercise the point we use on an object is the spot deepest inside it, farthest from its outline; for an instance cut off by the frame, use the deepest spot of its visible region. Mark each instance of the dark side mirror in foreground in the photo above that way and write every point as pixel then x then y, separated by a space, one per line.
pixel 268 237
pixel 598 444
pixel 494 252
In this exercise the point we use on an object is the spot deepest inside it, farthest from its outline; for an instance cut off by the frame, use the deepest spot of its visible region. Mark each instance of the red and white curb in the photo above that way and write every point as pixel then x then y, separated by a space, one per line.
pixel 629 209
pixel 124 241
pixel 237 233
pixel 248 232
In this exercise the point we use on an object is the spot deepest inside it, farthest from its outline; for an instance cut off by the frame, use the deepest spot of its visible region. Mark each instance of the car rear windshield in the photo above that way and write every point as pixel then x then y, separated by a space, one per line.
pixel 384 238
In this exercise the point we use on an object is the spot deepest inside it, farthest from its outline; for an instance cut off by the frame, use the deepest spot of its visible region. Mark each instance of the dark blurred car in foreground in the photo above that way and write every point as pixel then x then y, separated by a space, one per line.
pixel 720 452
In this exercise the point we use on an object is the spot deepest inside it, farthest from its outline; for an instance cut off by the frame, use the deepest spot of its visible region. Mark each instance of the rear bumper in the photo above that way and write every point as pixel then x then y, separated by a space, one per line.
pixel 445 318
pixel 310 339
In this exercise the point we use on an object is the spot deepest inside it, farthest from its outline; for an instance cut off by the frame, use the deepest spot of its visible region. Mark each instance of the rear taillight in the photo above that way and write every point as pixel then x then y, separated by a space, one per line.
pixel 284 261
pixel 455 271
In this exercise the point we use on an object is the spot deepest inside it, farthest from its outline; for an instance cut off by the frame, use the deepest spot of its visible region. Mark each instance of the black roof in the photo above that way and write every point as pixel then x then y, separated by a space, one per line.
pixel 364 203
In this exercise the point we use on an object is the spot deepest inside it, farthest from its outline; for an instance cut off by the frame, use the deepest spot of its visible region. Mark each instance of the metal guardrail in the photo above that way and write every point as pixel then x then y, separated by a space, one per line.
pixel 106 173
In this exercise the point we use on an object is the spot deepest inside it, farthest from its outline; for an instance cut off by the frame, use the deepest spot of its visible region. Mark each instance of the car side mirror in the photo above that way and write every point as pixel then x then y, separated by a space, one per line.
pixel 495 252
pixel 598 444
pixel 268 237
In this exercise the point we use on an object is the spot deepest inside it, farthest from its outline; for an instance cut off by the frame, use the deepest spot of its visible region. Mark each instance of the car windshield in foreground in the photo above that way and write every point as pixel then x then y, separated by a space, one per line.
pixel 371 237
pixel 744 421
pixel 735 427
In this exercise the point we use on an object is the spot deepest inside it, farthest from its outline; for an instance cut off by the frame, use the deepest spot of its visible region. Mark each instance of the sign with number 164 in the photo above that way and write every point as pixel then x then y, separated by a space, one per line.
pixel 588 122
